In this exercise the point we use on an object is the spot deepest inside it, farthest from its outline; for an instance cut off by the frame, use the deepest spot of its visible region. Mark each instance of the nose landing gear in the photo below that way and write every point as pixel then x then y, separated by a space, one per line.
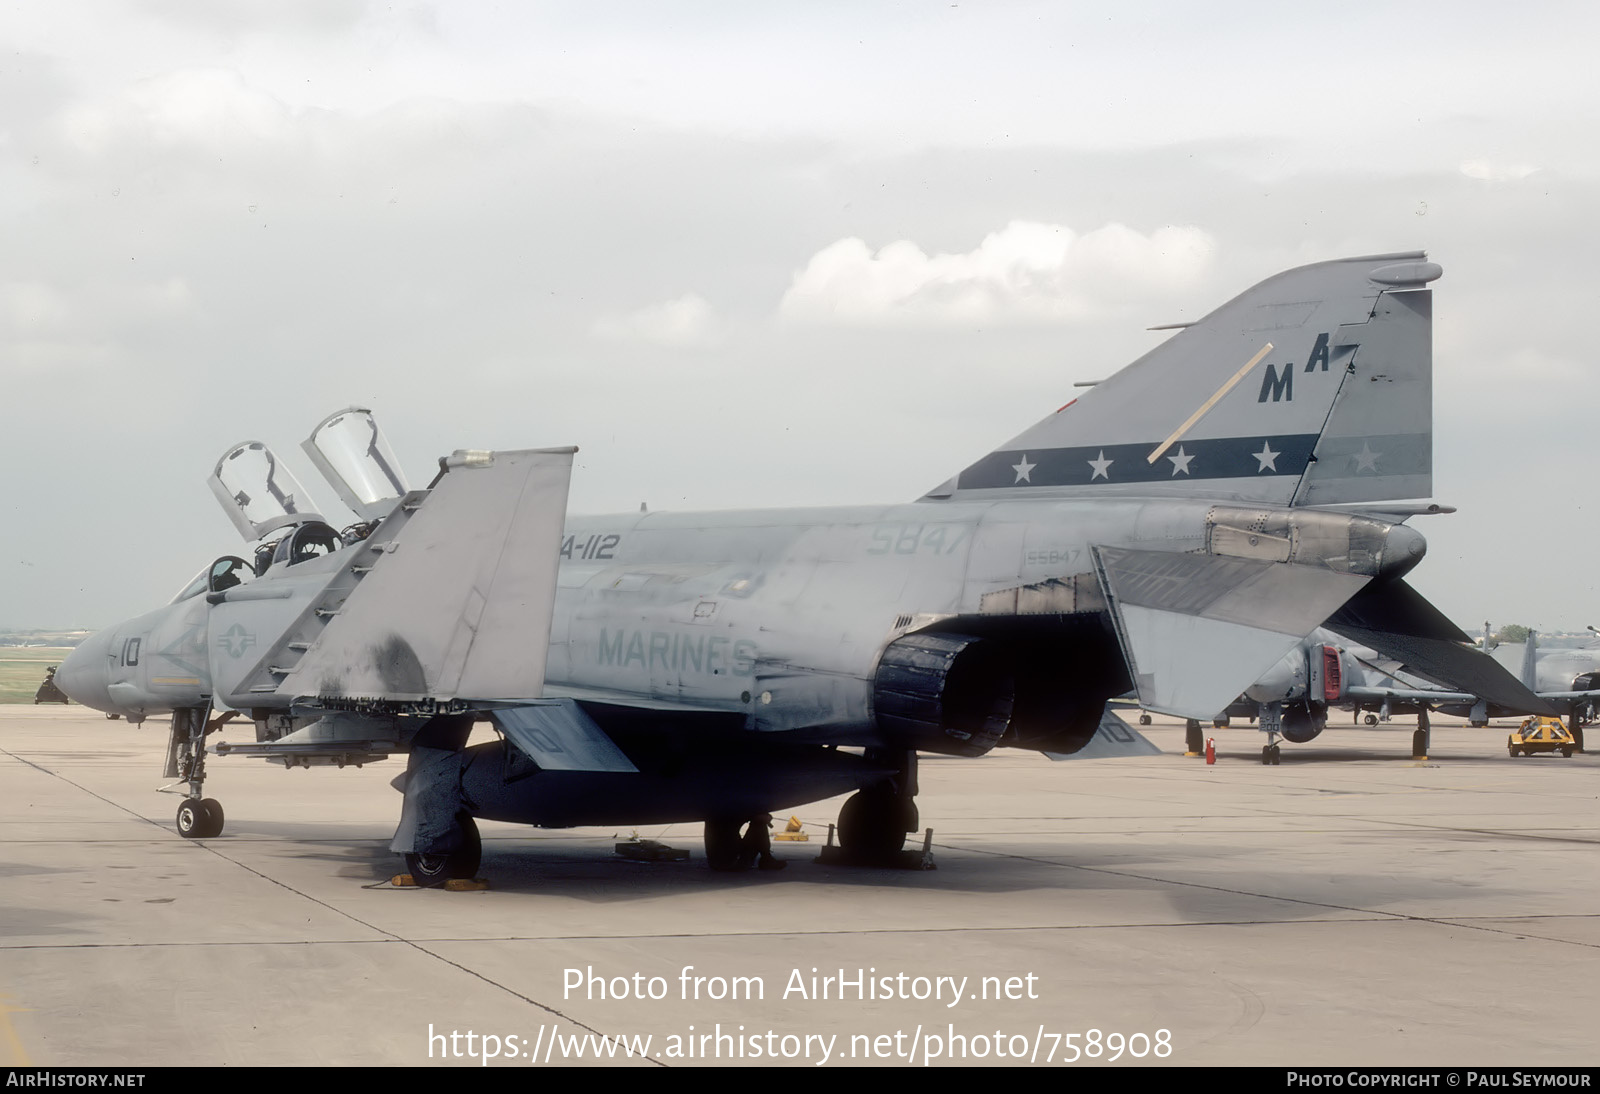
pixel 198 817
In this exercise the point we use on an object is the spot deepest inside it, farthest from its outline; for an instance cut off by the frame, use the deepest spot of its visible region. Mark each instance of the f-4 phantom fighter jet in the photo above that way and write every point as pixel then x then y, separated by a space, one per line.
pixel 1176 531
pixel 1294 699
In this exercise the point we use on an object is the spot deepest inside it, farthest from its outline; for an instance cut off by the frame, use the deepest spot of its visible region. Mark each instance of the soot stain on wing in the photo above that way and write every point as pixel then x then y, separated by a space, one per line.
pixel 398 667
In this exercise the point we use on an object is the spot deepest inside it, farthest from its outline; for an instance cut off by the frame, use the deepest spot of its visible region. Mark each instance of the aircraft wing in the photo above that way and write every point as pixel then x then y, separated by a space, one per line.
pixel 439 613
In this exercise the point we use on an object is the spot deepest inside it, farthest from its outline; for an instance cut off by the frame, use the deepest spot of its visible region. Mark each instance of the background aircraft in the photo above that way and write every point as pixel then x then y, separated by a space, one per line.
pixel 1175 531
pixel 1295 699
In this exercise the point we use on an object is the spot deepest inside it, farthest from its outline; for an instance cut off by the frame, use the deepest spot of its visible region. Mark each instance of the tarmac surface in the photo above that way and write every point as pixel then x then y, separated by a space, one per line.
pixel 1349 907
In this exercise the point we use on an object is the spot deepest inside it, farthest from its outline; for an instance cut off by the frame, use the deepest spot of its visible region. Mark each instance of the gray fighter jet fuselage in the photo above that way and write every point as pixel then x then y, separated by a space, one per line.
pixel 798 621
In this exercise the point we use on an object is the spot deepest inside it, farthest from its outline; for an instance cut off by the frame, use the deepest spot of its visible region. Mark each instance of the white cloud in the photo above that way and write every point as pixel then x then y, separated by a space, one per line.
pixel 28 306
pixel 1025 273
pixel 208 108
pixel 686 321
pixel 1490 171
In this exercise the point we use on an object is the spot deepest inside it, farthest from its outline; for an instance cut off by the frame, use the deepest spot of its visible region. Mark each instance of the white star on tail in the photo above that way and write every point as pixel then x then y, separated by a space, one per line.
pixel 1268 458
pixel 1101 467
pixel 1180 462
pixel 1024 469
pixel 1366 459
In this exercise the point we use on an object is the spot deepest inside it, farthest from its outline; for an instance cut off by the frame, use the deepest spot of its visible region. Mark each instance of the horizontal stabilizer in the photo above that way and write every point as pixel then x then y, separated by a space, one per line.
pixel 559 736
pixel 458 603
pixel 1197 630
pixel 1112 740
pixel 1393 618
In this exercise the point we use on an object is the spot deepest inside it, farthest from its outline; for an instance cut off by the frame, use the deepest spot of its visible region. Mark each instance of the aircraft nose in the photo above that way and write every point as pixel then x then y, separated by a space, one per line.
pixel 84 675
pixel 1403 548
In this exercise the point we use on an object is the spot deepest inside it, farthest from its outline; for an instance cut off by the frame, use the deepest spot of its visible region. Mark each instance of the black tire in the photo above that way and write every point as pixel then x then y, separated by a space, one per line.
pixel 1566 752
pixel 432 871
pixel 192 819
pixel 1371 719
pixel 873 824
pixel 724 847
pixel 214 816
pixel 1144 719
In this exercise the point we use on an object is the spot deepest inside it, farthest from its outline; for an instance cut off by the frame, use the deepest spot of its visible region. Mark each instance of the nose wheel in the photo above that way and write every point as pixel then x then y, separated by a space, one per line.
pixel 199 818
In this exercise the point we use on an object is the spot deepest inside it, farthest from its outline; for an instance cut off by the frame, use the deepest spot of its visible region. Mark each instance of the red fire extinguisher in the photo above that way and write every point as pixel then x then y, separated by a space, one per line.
pixel 1211 750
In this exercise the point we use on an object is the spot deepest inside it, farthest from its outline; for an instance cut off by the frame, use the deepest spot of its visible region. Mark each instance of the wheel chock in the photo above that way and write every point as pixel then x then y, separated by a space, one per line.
pixel 454 885
pixel 793 833
pixel 921 859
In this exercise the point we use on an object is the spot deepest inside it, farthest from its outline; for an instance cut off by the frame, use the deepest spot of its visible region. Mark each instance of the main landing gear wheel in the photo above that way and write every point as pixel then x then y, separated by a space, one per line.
pixel 724 848
pixel 1371 719
pixel 873 824
pixel 199 819
pixel 1144 719
pixel 432 871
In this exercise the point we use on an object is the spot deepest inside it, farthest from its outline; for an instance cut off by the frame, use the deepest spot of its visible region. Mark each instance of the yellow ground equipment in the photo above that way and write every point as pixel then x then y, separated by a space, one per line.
pixel 1540 735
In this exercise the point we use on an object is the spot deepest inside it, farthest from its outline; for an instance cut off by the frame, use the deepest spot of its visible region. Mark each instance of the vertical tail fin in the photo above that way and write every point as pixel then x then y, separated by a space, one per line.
pixel 1312 388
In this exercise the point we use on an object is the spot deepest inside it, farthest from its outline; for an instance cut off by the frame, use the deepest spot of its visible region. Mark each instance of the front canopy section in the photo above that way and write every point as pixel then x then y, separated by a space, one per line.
pixel 353 455
pixel 257 492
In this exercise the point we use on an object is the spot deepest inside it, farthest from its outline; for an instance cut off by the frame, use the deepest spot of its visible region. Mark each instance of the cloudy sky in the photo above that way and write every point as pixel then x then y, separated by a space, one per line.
pixel 754 254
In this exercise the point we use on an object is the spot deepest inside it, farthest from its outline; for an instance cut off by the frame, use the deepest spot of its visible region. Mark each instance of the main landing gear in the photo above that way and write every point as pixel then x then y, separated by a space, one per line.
pixel 432 871
pixel 874 821
pixel 1420 739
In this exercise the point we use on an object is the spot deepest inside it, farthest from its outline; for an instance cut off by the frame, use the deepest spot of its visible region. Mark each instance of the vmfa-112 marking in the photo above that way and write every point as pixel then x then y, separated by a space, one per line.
pixel 1175 531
